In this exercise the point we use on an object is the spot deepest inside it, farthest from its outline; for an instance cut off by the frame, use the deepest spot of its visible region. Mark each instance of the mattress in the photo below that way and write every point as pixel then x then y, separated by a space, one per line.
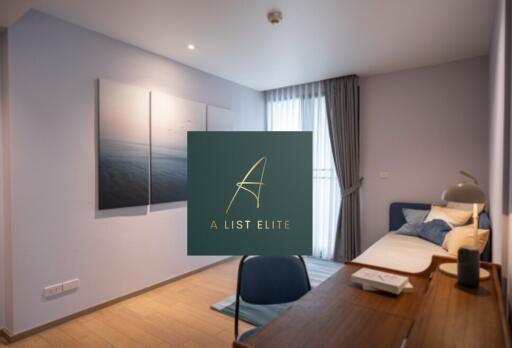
pixel 401 253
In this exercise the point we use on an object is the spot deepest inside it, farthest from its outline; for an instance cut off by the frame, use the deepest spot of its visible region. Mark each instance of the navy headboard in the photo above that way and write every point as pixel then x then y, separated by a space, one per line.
pixel 396 220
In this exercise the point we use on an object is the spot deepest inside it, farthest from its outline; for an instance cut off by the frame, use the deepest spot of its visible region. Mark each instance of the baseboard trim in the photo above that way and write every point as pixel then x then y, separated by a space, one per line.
pixel 4 336
pixel 8 338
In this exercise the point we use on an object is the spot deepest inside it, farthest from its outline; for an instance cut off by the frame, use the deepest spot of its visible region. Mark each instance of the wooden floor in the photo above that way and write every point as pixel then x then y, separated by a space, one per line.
pixel 174 315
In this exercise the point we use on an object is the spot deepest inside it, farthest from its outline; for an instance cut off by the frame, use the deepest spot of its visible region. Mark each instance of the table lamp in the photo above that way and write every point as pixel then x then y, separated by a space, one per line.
pixel 468 264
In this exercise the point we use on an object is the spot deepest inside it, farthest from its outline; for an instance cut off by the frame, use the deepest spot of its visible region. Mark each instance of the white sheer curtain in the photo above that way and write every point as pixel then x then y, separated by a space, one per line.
pixel 302 108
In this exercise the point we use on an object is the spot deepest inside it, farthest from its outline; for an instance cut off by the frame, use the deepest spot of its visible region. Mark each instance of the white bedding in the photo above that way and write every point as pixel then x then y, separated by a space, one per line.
pixel 402 253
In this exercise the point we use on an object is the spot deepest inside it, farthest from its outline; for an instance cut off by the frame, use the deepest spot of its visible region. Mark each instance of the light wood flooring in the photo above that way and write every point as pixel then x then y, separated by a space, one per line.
pixel 174 315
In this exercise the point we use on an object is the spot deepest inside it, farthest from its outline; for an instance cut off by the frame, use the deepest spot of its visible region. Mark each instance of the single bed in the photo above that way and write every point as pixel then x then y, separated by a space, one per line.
pixel 406 253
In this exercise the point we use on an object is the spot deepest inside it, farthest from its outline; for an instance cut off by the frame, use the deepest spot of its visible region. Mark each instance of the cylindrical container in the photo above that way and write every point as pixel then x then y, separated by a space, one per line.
pixel 468 266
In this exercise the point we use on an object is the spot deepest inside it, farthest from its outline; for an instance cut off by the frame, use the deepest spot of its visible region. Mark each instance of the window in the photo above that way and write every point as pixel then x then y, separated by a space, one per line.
pixel 302 108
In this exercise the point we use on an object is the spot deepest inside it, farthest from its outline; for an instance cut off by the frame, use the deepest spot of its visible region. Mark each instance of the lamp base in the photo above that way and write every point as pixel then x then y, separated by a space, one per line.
pixel 450 268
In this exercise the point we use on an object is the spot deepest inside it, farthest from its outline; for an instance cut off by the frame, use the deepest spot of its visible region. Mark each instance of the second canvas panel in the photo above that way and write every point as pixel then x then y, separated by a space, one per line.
pixel 123 145
pixel 171 119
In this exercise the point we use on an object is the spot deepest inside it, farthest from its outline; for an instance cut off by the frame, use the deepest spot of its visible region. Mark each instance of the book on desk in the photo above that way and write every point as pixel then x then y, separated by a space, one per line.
pixel 385 281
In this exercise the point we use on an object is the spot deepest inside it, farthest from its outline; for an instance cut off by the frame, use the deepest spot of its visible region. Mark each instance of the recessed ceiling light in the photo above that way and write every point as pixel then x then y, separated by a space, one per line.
pixel 191 47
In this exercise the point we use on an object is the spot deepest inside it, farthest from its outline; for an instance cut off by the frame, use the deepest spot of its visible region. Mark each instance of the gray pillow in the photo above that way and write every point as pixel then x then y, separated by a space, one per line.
pixel 413 219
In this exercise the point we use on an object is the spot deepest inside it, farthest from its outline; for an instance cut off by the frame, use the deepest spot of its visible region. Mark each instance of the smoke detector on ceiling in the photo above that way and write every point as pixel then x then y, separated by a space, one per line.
pixel 275 17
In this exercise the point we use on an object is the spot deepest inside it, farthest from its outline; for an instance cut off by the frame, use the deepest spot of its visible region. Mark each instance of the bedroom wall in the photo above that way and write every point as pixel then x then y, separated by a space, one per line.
pixel 5 190
pixel 499 137
pixel 57 232
pixel 500 99
pixel 421 126
pixel 2 215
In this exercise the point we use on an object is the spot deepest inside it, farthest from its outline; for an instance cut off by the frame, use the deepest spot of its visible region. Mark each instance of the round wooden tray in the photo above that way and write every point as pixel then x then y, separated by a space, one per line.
pixel 450 268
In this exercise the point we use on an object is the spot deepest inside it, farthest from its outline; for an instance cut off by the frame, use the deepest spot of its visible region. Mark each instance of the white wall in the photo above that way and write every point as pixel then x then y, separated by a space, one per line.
pixel 2 216
pixel 5 190
pixel 497 165
pixel 422 126
pixel 56 231
pixel 500 182
pixel 5 274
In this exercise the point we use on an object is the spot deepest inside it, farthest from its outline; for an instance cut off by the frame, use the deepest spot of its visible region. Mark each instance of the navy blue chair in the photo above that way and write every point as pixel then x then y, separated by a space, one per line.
pixel 265 280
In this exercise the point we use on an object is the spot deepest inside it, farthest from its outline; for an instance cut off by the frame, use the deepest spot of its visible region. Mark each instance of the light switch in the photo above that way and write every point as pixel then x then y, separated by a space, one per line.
pixel 384 175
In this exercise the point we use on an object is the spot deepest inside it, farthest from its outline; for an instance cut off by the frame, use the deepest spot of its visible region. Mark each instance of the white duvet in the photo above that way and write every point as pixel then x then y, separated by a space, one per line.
pixel 401 253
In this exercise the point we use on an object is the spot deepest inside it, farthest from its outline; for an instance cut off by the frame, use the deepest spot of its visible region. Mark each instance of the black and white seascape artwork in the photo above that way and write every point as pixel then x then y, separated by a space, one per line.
pixel 171 119
pixel 142 141
pixel 124 146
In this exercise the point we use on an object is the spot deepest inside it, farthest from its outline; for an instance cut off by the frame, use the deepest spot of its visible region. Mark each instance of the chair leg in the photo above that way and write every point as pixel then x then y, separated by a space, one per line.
pixel 238 289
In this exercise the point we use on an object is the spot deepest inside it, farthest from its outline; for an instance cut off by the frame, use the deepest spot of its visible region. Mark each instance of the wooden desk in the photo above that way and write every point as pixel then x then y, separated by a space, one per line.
pixel 437 314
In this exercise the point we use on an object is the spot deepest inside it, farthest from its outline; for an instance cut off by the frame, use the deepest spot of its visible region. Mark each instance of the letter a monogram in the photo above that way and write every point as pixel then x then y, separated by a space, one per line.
pixel 243 185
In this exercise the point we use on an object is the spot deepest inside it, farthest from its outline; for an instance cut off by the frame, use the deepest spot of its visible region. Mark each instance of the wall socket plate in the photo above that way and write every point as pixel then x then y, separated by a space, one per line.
pixel 384 175
pixel 52 290
pixel 71 284
pixel 55 289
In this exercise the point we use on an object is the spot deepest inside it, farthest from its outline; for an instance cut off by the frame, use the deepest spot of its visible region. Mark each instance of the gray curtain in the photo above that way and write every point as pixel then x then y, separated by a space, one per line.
pixel 342 101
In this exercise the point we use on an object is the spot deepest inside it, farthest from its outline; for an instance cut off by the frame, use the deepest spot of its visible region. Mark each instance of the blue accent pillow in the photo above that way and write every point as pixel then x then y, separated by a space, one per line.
pixel 434 231
pixel 413 218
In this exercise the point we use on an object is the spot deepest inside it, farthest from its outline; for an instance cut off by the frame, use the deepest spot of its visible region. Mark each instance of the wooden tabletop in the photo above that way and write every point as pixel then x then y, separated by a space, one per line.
pixel 461 317
pixel 338 313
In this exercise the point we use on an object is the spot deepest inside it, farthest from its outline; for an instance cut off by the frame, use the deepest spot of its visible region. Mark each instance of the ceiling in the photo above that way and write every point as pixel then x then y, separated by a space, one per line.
pixel 317 39
pixel 12 10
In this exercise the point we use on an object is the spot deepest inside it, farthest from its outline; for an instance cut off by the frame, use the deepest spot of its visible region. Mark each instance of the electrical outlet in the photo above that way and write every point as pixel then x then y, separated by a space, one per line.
pixel 52 290
pixel 71 284
pixel 56 289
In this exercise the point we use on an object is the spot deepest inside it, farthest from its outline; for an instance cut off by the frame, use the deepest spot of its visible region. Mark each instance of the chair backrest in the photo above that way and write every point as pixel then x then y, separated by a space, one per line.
pixel 272 279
